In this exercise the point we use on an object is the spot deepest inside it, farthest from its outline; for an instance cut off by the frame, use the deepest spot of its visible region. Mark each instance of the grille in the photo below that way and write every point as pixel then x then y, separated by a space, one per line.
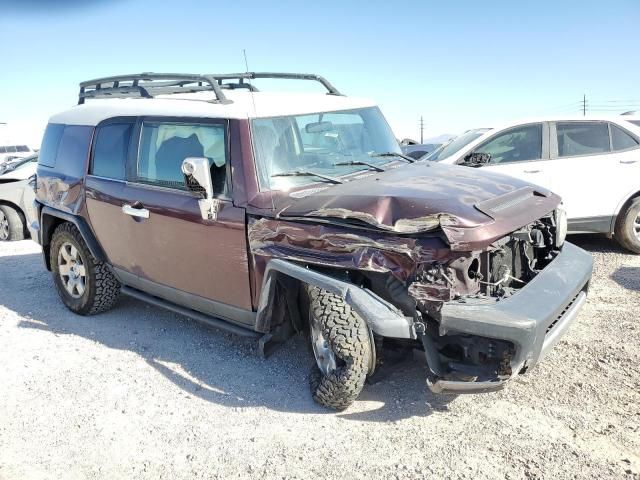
pixel 563 312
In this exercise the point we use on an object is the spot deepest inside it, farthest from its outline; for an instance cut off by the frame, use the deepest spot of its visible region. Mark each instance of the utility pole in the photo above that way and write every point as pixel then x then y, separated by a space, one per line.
pixel 421 130
pixel 584 105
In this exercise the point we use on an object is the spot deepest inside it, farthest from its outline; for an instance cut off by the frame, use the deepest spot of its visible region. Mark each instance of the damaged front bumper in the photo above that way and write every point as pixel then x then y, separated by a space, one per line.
pixel 532 320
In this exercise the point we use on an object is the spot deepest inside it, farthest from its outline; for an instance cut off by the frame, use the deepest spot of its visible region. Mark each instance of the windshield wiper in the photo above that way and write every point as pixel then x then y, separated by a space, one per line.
pixel 359 162
pixel 393 154
pixel 306 173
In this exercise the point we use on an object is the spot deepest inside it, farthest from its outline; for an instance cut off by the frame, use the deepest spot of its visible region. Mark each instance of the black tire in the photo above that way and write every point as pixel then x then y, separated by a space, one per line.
pixel 627 228
pixel 101 289
pixel 349 340
pixel 12 224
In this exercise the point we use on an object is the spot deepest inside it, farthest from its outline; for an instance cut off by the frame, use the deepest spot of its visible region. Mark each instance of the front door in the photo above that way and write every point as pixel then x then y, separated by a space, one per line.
pixel 520 152
pixel 151 227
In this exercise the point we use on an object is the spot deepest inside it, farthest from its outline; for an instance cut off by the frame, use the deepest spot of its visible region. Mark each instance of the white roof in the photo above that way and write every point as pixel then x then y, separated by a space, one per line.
pixel 244 104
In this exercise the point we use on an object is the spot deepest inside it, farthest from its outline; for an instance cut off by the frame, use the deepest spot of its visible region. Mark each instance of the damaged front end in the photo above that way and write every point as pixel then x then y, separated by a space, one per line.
pixel 484 306
pixel 482 278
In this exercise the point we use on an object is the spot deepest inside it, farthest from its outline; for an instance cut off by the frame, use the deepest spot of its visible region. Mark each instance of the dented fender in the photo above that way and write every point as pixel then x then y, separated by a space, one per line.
pixel 382 317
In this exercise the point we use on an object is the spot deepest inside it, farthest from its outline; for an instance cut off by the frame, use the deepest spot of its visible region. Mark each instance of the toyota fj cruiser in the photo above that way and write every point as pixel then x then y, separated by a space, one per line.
pixel 267 214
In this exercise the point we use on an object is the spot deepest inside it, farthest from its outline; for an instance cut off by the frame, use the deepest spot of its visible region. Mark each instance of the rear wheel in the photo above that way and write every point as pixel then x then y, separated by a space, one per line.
pixel 12 225
pixel 85 285
pixel 341 347
pixel 627 230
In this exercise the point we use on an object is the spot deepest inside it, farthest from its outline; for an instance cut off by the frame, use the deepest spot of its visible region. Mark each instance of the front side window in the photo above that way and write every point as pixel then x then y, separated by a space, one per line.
pixel 621 140
pixel 582 138
pixel 164 146
pixel 327 143
pixel 516 145
pixel 110 150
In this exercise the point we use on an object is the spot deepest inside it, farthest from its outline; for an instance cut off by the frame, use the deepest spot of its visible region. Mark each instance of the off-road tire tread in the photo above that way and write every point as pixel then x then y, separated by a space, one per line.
pixel 348 336
pixel 104 288
pixel 623 231
pixel 17 225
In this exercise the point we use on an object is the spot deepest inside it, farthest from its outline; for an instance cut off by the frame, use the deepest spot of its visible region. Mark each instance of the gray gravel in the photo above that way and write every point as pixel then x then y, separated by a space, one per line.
pixel 142 393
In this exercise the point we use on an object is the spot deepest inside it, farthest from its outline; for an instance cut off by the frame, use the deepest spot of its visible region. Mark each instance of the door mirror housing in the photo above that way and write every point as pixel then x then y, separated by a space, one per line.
pixel 197 179
pixel 197 176
pixel 476 159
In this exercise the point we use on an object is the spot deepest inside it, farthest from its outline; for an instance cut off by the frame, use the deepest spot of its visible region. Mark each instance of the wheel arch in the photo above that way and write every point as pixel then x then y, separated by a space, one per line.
pixel 621 206
pixel 50 219
pixel 382 317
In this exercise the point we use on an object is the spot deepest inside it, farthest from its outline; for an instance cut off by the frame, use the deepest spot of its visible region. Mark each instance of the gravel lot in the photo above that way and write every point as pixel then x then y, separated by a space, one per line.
pixel 142 393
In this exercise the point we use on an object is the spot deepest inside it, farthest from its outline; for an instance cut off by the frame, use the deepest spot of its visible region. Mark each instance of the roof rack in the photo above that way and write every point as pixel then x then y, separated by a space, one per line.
pixel 148 85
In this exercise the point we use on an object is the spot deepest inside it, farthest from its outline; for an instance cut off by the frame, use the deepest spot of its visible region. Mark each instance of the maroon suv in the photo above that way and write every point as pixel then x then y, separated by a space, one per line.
pixel 268 214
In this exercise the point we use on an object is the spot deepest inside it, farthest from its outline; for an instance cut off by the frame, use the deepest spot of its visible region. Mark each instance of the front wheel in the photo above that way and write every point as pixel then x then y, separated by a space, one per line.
pixel 341 347
pixel 85 285
pixel 627 230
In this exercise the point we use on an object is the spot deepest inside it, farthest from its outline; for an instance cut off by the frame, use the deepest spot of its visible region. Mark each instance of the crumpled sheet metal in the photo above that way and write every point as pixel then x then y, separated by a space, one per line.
pixel 327 245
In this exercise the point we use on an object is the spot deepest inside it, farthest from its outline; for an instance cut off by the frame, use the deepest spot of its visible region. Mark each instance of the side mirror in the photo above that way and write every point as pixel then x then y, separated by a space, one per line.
pixel 197 178
pixel 476 159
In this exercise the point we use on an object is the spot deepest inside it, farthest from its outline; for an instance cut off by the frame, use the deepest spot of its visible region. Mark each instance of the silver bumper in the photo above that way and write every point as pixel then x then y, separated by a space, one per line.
pixel 533 320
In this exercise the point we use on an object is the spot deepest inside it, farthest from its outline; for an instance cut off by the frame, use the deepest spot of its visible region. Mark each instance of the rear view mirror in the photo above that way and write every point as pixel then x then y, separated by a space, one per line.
pixel 197 178
pixel 319 127
pixel 476 159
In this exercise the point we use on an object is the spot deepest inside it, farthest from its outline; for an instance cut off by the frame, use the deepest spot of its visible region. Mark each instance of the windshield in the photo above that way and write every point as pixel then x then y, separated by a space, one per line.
pixel 457 144
pixel 333 144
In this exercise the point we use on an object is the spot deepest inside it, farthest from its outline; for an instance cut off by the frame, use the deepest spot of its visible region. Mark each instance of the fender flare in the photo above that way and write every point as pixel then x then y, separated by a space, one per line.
pixel 48 224
pixel 382 317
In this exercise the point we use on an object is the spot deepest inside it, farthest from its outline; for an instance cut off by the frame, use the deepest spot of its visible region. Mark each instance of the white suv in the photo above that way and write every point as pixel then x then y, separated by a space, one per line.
pixel 593 163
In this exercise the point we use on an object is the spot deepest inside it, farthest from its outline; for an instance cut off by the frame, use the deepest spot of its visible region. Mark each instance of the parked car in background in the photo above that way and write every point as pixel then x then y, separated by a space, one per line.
pixel 19 168
pixel 270 213
pixel 17 194
pixel 632 117
pixel 419 149
pixel 593 163
pixel 9 152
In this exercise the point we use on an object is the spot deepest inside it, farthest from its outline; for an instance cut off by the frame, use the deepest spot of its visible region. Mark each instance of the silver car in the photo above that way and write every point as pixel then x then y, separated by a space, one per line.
pixel 16 200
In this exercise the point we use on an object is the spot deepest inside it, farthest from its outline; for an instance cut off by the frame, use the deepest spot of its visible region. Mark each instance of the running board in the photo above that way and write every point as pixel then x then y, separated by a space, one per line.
pixel 187 312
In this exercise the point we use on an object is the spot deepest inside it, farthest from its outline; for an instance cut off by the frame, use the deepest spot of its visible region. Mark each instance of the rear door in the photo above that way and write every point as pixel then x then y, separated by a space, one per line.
pixel 592 169
pixel 151 226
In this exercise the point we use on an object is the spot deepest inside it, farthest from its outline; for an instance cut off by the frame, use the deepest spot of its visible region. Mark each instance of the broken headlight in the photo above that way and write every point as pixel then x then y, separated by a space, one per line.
pixel 561 226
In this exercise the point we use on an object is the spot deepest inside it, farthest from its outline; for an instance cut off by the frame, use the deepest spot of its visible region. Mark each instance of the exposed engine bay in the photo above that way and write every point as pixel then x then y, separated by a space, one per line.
pixel 483 277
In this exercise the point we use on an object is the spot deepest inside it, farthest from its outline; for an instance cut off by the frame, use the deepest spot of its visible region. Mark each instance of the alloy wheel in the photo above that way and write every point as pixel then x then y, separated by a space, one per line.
pixel 72 270
pixel 325 358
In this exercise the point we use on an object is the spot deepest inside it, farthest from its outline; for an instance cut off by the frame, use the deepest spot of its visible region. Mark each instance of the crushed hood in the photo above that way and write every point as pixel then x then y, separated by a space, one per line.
pixel 425 196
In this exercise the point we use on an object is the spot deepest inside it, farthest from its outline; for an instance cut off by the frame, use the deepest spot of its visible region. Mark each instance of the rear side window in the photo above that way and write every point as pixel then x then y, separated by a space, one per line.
pixel 50 142
pixel 582 138
pixel 164 146
pixel 621 140
pixel 516 145
pixel 110 151
pixel 73 150
pixel 22 148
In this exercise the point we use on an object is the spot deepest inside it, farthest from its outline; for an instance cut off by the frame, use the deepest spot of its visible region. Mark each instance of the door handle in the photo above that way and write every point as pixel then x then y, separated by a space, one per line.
pixel 532 171
pixel 135 212
pixel 628 161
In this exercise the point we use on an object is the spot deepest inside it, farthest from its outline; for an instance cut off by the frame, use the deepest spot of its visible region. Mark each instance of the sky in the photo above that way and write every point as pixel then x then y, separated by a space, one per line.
pixel 457 64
